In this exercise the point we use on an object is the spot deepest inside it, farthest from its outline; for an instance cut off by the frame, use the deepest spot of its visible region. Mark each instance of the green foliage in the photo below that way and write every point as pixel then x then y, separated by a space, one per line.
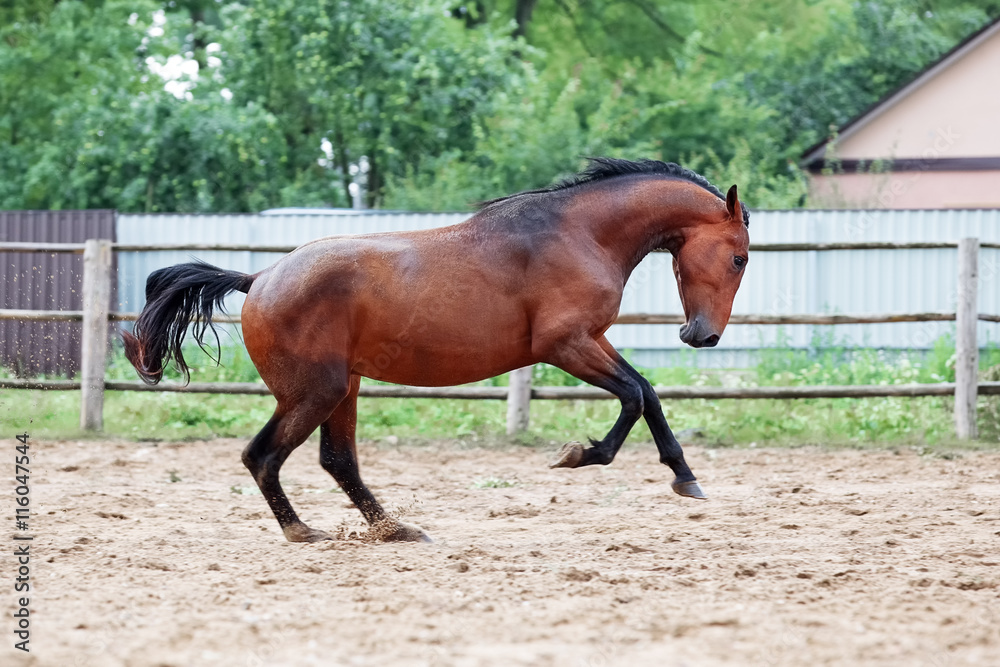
pixel 736 90
pixel 827 361
pixel 157 153
pixel 58 60
pixel 433 107
pixel 754 175
pixel 658 111
pixel 233 365
pixel 493 483
pixel 391 82
pixel 866 50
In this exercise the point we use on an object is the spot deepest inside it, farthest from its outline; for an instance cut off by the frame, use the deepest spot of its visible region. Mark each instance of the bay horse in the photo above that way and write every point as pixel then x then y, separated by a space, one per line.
pixel 533 277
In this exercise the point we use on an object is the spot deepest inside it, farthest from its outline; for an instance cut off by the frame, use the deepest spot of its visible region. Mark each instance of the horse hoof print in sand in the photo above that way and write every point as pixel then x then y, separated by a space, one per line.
pixel 536 277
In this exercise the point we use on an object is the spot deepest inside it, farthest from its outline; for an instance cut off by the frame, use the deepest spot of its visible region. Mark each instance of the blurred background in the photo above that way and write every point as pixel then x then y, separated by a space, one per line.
pixel 273 123
pixel 217 106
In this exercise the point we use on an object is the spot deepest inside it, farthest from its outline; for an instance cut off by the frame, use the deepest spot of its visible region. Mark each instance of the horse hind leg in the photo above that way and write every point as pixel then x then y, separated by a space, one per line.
pixel 266 453
pixel 338 455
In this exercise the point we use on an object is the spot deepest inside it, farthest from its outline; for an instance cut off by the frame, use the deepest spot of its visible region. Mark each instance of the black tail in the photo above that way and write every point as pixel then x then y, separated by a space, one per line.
pixel 176 297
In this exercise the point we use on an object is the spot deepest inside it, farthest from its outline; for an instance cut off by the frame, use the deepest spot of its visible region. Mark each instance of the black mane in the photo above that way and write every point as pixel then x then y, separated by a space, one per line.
pixel 603 168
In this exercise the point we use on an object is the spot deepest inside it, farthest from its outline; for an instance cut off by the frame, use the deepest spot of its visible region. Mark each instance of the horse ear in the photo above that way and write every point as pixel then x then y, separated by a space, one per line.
pixel 733 205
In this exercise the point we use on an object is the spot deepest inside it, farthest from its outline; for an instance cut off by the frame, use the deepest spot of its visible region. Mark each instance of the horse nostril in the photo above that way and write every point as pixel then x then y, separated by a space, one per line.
pixel 711 341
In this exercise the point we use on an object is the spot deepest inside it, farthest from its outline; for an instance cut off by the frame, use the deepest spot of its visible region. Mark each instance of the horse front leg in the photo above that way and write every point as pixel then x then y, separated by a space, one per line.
pixel 574 455
pixel 670 450
pixel 590 361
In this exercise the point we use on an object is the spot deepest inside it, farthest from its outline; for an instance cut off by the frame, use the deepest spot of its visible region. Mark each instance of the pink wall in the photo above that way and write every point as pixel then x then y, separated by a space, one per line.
pixel 953 112
pixel 948 189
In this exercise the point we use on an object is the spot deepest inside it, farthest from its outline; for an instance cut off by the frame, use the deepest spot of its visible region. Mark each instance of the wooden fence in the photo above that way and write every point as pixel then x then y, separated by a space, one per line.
pixel 95 316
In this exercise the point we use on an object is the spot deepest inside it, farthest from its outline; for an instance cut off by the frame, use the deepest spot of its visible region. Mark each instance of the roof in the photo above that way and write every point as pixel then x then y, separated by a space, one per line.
pixel 856 124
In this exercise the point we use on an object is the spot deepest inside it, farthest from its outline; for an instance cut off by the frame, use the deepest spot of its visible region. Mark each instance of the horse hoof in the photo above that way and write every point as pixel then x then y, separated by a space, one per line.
pixel 688 489
pixel 302 533
pixel 397 531
pixel 569 456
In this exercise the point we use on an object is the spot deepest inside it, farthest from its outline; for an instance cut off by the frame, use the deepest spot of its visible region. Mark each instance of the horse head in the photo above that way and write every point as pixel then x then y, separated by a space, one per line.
pixel 709 266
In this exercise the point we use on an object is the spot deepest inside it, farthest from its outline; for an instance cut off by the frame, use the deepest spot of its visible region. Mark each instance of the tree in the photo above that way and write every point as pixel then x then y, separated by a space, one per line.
pixel 158 153
pixel 864 55
pixel 56 56
pixel 433 106
pixel 393 83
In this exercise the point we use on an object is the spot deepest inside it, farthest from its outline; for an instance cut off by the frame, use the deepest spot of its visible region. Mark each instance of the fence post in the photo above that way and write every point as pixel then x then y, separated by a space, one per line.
pixel 966 346
pixel 519 400
pixel 94 346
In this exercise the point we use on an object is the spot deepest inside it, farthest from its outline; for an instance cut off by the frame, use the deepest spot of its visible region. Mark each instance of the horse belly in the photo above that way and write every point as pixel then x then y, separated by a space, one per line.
pixel 433 349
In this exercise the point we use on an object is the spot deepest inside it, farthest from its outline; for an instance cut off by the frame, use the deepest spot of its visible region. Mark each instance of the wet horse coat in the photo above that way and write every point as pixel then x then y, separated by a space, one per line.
pixel 534 277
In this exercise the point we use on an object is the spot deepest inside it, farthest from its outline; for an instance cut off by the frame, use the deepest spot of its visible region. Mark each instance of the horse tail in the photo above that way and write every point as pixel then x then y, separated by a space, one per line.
pixel 176 297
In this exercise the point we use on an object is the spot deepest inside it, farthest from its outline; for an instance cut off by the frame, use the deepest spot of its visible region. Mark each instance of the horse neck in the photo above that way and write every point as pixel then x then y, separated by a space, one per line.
pixel 650 214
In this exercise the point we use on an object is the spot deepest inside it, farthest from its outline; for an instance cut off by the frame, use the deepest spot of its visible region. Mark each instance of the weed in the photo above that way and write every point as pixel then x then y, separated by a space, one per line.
pixel 493 483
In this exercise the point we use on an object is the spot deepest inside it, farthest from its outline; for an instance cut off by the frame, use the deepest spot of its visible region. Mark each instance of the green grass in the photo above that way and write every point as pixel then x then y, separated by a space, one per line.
pixel 840 422
pixel 493 483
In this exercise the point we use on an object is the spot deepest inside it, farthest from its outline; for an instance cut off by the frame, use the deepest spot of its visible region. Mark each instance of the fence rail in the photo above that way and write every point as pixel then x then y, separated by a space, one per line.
pixel 544 393
pixel 97 265
pixel 631 318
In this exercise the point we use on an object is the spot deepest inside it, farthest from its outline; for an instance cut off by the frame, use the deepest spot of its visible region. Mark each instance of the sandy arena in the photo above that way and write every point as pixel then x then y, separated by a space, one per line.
pixel 799 557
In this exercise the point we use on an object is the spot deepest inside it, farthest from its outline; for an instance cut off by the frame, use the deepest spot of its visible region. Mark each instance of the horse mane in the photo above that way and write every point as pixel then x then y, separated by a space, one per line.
pixel 604 168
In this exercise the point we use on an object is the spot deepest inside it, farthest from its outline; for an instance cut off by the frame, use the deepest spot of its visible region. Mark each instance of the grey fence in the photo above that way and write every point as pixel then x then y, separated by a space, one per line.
pixel 869 275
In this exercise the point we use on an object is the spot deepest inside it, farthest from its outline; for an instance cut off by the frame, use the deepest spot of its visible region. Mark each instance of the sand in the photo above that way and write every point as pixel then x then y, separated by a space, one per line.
pixel 799 557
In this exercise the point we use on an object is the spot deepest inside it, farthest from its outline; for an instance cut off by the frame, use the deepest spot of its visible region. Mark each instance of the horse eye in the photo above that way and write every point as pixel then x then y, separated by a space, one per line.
pixel 739 261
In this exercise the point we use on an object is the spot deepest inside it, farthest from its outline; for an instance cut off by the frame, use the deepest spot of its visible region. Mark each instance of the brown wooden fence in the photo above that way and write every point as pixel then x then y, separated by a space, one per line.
pixel 95 315
pixel 32 281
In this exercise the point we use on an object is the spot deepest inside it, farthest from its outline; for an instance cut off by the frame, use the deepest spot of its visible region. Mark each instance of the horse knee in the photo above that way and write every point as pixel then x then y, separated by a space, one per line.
pixel 249 460
pixel 633 403
pixel 253 456
pixel 650 401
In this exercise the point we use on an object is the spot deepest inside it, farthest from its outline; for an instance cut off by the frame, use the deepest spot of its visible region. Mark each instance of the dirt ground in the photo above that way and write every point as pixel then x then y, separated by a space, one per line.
pixel 799 557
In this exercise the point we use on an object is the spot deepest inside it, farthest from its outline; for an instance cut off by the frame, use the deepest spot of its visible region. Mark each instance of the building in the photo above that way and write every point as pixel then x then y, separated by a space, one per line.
pixel 933 143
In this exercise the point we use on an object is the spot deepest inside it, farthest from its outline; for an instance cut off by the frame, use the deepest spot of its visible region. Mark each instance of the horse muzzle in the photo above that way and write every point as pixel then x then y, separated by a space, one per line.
pixel 696 334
